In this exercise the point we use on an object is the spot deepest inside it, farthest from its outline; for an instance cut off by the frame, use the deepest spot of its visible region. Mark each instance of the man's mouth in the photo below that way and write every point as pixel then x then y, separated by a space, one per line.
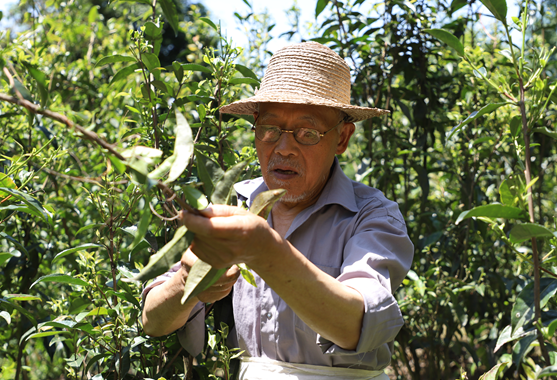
pixel 285 171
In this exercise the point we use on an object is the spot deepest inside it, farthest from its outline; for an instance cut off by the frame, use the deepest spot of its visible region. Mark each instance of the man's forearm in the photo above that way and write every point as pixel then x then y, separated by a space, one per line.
pixel 330 308
pixel 163 312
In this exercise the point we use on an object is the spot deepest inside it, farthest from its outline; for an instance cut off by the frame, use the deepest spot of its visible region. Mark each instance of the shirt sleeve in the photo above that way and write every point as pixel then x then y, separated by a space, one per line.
pixel 192 334
pixel 376 260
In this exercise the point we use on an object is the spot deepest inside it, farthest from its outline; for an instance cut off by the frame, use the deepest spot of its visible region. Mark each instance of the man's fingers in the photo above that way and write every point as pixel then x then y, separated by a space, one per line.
pixel 222 210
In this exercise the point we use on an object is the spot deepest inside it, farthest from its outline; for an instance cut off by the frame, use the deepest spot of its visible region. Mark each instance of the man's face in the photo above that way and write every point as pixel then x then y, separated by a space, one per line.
pixel 302 170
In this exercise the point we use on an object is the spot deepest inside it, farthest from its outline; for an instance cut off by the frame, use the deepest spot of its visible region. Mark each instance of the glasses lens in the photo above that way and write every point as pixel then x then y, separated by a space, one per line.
pixel 267 133
pixel 307 136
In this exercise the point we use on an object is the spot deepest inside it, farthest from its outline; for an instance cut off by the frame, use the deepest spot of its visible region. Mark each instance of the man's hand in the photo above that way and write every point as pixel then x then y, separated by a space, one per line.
pixel 219 289
pixel 227 235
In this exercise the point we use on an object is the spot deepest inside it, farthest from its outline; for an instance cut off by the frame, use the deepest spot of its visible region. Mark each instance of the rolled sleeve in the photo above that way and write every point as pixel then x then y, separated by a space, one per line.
pixel 192 334
pixel 377 257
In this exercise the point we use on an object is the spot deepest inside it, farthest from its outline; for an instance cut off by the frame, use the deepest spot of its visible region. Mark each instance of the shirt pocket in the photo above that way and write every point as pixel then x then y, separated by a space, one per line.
pixel 300 325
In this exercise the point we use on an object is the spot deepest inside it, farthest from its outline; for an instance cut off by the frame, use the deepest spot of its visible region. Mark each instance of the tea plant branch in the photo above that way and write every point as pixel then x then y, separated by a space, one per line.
pixel 36 109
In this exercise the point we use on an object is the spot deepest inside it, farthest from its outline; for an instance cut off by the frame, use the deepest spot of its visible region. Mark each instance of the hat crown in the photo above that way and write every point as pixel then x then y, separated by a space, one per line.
pixel 308 69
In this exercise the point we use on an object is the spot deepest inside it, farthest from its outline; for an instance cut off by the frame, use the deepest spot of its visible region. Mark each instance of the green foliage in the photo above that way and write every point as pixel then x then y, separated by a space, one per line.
pixel 79 222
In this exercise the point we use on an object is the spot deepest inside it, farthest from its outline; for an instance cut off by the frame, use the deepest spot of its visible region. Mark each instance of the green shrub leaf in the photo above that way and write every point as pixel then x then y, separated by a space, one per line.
pixel 523 311
pixel 171 14
pixel 474 115
pixel 113 59
pixel 498 9
pixel 525 231
pixel 448 38
pixel 225 186
pixel 75 249
pixel 61 278
pixel 495 210
pixel 183 148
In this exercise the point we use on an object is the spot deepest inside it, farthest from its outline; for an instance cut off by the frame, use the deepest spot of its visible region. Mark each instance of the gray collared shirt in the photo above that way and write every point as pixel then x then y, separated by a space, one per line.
pixel 352 233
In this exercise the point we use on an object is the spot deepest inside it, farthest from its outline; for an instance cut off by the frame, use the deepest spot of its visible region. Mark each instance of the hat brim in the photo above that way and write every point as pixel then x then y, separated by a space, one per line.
pixel 249 106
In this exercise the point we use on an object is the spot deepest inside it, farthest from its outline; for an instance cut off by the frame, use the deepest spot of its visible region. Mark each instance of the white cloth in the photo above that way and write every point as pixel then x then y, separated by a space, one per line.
pixel 267 369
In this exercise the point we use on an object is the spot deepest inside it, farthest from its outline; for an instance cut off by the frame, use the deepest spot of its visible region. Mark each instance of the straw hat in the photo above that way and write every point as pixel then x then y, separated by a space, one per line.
pixel 306 73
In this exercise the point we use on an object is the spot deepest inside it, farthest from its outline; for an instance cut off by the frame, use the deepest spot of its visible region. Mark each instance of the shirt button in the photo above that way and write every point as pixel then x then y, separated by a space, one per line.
pixel 269 315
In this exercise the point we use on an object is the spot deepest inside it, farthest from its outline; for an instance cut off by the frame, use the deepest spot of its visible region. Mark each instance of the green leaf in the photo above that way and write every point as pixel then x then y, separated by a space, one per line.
pixel 167 256
pixel 523 310
pixel 113 59
pixel 522 347
pixel 5 256
pixel 247 275
pixel 125 72
pixel 548 371
pixel 510 191
pixel 178 71
pixel 264 202
pixel 200 277
pixel 196 67
pixel 516 125
pixel 152 31
pixel 506 336
pixel 46 333
pixel 498 8
pixel 208 21
pixel 494 372
pixel 246 72
pixel 225 186
pixel 474 115
pixel 75 249
pixel 118 164
pixel 448 38
pixel 494 210
pixel 526 231
pixel 208 171
pixel 6 316
pixel 195 198
pixel 22 297
pixel 90 226
pixel 31 202
pixel 6 181
pixel 163 168
pixel 40 78
pixel 183 148
pixel 546 132
pixel 320 7
pixel 243 80
pixel 171 14
pixel 23 90
pixel 61 278
pixel 151 61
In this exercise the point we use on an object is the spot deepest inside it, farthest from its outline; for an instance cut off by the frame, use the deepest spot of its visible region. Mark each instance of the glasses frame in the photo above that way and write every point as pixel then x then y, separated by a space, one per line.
pixel 293 132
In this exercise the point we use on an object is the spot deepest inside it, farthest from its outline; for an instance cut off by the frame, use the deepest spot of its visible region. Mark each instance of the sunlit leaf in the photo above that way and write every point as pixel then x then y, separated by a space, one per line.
pixel 40 79
pixel 62 279
pixel 200 277
pixel 195 198
pixel 522 347
pixel 246 72
pixel 143 224
pixel 76 249
pixel 320 7
pixel 494 372
pixel 264 202
pixel 113 59
pixel 546 132
pixel 196 67
pixel 6 316
pixel 244 81
pixel 494 210
pixel 498 8
pixel 448 38
pixel 208 21
pixel 151 61
pixel 183 148
pixel 125 72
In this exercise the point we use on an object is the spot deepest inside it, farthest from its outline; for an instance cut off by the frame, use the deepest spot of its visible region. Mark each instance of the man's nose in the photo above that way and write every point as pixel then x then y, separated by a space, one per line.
pixel 286 145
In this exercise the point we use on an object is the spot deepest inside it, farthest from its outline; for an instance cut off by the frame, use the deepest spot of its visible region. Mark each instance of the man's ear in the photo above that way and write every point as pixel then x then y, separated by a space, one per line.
pixel 346 132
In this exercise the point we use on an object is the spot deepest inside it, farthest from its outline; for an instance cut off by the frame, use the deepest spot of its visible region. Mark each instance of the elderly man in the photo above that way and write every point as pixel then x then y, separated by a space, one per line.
pixel 327 259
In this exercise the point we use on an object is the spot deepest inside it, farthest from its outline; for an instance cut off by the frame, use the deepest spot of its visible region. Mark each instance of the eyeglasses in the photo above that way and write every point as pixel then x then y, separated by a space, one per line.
pixel 304 136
